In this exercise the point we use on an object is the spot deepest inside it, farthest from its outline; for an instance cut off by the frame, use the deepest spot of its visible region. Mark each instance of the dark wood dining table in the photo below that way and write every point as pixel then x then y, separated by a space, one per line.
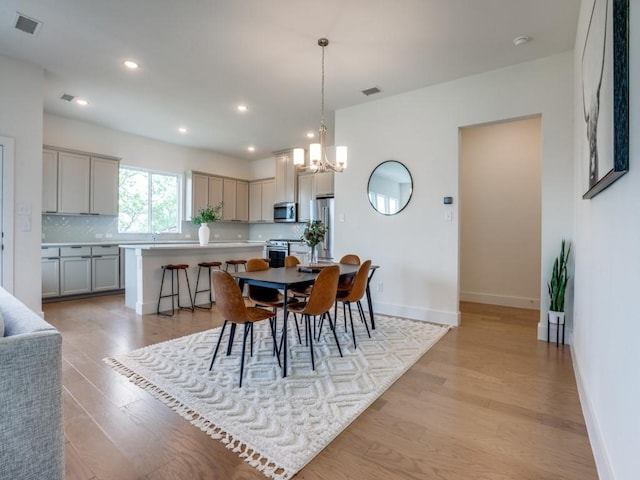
pixel 285 278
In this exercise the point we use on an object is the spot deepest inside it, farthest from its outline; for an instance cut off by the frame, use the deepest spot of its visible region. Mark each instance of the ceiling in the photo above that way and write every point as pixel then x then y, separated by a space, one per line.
pixel 199 59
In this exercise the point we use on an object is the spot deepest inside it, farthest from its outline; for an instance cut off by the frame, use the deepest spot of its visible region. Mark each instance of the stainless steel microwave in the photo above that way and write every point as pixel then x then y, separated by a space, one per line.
pixel 285 212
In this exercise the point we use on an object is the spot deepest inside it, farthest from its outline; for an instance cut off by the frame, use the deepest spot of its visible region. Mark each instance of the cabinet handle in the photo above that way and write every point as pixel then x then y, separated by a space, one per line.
pixel 52 258
pixel 85 256
pixel 76 246
pixel 96 256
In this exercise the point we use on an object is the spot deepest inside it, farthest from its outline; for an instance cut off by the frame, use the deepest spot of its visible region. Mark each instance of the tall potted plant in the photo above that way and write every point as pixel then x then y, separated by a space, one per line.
pixel 314 232
pixel 206 215
pixel 557 285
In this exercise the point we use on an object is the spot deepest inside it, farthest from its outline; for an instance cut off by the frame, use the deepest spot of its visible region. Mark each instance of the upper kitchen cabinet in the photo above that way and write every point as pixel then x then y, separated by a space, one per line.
pixel 286 177
pixel 196 193
pixel 261 199
pixel 324 183
pixel 311 185
pixel 105 179
pixel 49 181
pixel 236 200
pixel 79 183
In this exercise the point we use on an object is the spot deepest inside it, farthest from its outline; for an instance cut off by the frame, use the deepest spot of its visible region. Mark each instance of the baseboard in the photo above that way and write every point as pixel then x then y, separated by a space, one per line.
pixel 504 300
pixel 605 472
pixel 553 329
pixel 415 313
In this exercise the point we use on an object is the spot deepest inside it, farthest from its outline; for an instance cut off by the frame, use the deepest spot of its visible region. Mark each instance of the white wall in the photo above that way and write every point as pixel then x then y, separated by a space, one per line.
pixel 607 268
pixel 418 249
pixel 21 87
pixel 139 151
pixel 500 202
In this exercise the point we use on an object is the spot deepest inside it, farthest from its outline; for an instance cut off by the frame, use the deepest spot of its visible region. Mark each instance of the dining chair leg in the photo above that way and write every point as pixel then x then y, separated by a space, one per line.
pixel 217 345
pixel 362 317
pixel 273 336
pixel 310 338
pixel 232 333
pixel 353 332
pixel 295 320
pixel 247 327
pixel 251 345
pixel 333 329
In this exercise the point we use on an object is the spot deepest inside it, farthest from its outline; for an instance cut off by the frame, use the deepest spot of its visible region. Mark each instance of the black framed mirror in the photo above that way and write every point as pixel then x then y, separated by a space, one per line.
pixel 390 187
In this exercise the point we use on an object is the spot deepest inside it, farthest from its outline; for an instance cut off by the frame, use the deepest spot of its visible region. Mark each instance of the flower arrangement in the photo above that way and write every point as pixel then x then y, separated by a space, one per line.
pixel 314 232
pixel 559 279
pixel 208 214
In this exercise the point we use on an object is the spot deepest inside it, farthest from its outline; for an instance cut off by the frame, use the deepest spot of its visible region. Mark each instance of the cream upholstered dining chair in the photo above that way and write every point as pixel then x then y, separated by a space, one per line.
pixel 354 294
pixel 230 303
pixel 319 302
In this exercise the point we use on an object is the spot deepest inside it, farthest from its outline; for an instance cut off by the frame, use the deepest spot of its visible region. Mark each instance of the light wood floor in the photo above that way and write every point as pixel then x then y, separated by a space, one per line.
pixel 487 402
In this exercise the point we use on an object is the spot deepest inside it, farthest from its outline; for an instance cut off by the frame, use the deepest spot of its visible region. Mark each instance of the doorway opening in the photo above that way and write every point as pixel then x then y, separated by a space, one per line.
pixel 6 213
pixel 501 213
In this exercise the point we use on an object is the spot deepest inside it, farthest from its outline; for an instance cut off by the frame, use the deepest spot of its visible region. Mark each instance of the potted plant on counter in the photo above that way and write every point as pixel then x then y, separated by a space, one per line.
pixel 205 216
pixel 558 285
pixel 314 232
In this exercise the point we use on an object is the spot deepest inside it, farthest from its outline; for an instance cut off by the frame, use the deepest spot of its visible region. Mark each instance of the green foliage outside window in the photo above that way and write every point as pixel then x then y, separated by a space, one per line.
pixel 148 201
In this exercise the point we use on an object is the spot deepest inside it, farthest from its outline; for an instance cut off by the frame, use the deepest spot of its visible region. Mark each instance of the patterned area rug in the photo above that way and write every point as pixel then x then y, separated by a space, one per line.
pixel 278 424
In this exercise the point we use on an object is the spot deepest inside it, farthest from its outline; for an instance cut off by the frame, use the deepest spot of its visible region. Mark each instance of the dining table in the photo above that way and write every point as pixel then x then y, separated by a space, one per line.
pixel 286 278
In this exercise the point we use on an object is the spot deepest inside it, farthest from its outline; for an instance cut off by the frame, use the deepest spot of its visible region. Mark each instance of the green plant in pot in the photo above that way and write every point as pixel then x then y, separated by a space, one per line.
pixel 557 285
pixel 206 215
pixel 314 232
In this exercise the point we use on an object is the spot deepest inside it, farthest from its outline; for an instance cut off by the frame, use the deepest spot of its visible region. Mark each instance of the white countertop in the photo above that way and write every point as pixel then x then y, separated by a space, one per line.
pixel 192 245
pixel 168 243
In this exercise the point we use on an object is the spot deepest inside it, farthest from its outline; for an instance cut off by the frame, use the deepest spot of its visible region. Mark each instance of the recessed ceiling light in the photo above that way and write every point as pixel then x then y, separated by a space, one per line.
pixel 182 129
pixel 521 40
pixel 251 148
pixel 242 108
pixel 310 134
pixel 82 101
pixel 131 64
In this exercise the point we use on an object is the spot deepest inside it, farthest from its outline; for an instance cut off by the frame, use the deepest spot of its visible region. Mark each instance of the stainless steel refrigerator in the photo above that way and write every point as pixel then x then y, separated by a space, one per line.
pixel 323 210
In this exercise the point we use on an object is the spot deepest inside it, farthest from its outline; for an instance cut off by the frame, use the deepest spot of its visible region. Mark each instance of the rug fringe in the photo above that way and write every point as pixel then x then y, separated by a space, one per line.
pixel 249 454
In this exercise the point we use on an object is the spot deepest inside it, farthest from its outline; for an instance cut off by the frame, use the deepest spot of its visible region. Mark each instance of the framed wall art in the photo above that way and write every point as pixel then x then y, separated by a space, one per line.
pixel 605 94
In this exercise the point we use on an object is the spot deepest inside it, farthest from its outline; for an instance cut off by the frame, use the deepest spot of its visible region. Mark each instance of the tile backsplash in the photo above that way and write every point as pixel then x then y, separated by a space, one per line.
pixel 80 228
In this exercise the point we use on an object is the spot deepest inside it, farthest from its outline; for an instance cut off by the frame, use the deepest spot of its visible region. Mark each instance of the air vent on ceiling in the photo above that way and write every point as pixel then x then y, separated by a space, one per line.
pixel 27 25
pixel 371 91
pixel 66 97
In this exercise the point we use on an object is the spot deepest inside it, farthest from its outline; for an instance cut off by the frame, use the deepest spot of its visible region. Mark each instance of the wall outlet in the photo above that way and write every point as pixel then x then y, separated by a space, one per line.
pixel 239 235
pixel 98 235
pixel 380 287
pixel 216 235
pixel 108 235
pixel 188 235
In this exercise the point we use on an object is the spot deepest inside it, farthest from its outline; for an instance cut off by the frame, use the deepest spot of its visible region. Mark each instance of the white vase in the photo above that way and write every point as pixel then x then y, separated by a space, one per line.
pixel 203 234
pixel 313 255
pixel 557 318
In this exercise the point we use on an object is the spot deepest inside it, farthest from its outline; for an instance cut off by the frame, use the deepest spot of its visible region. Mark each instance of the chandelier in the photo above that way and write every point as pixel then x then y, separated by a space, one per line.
pixel 318 160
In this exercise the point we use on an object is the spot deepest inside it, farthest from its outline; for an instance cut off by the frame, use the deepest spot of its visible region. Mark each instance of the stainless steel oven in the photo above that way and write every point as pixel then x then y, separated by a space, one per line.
pixel 276 251
pixel 285 212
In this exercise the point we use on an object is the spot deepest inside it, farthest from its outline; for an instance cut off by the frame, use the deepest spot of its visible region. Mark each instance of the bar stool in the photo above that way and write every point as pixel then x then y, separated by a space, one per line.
pixel 175 292
pixel 208 266
pixel 235 264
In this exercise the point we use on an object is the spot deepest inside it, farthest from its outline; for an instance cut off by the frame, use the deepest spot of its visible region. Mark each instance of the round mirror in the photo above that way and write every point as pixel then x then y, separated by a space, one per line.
pixel 390 187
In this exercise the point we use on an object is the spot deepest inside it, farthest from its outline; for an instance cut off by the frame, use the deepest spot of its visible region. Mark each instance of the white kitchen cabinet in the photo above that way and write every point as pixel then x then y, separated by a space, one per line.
pixel 75 274
pixel 196 193
pixel 105 180
pixel 216 185
pixel 324 183
pixel 236 200
pixel 74 180
pixel 78 183
pixel 306 193
pixel 286 177
pixel 261 200
pixel 105 272
pixel 49 181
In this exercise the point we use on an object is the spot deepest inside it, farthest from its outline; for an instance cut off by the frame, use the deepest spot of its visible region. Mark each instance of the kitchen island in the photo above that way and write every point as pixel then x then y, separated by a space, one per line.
pixel 143 268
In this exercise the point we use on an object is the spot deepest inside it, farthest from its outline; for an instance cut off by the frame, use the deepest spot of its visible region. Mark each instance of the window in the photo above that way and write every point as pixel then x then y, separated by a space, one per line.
pixel 148 201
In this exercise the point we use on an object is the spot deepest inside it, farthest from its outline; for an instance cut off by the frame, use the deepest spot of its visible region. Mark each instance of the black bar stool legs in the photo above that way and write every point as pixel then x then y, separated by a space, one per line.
pixel 208 266
pixel 235 264
pixel 175 288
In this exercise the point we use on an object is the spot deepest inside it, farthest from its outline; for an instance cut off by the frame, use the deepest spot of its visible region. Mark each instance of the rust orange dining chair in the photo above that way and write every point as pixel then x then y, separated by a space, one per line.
pixel 319 302
pixel 230 303
pixel 354 295
pixel 349 259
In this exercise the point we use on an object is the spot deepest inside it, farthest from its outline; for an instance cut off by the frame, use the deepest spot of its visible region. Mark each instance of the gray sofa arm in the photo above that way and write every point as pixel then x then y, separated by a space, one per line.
pixel 31 428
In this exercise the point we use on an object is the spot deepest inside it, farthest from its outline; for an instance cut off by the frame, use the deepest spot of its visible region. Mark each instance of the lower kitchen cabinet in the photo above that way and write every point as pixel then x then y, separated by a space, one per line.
pixel 50 277
pixel 78 270
pixel 75 275
pixel 106 273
